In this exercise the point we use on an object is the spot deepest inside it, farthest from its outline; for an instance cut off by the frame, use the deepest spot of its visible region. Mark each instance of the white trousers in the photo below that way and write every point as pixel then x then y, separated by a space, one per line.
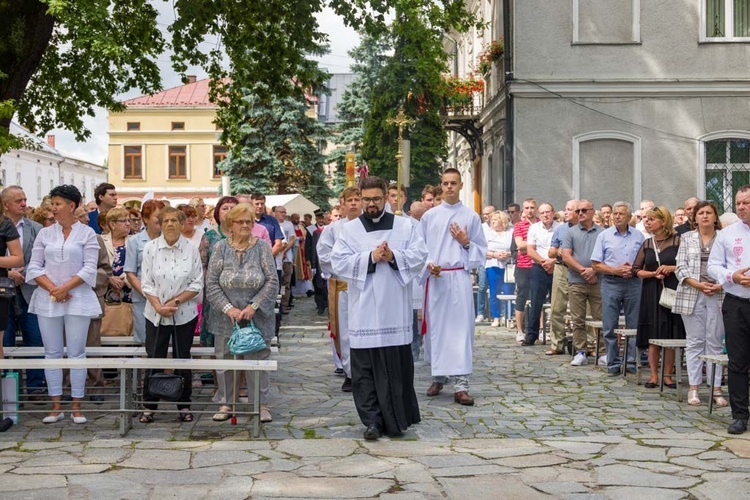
pixel 704 333
pixel 75 329
pixel 336 360
pixel 346 355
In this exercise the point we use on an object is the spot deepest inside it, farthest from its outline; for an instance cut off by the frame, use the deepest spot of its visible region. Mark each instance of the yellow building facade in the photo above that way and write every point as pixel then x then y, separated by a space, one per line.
pixel 167 143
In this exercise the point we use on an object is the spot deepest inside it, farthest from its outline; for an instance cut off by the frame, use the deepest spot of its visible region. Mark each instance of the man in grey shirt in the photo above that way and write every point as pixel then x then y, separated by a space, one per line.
pixel 583 285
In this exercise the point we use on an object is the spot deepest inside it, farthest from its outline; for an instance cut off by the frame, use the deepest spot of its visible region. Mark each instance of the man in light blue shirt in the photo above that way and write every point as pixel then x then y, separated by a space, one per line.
pixel 612 257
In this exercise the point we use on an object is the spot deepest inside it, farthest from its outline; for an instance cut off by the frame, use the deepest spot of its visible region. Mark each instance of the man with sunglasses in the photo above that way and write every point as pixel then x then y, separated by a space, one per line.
pixel 539 240
pixel 583 285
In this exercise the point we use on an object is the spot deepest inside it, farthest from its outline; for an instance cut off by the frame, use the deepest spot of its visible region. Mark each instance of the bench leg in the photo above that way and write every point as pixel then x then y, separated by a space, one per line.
pixel 256 406
pixel 678 371
pixel 597 333
pixel 625 357
pixel 713 383
pixel 126 397
pixel 637 365
pixel 661 371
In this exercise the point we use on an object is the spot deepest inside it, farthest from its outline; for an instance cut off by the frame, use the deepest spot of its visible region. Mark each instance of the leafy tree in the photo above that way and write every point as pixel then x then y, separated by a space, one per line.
pixel 276 148
pixel 354 107
pixel 412 78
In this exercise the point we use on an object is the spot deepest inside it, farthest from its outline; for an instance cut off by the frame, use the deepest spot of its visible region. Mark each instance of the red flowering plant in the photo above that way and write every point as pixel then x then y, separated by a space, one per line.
pixel 460 91
pixel 492 53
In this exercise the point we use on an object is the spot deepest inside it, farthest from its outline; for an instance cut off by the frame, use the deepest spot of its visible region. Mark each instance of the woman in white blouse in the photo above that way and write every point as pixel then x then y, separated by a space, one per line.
pixel 172 276
pixel 499 239
pixel 63 264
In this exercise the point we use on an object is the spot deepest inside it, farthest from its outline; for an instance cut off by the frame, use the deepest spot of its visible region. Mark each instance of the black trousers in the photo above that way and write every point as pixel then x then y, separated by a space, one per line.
pixel 736 312
pixel 320 286
pixel 383 387
pixel 540 285
pixel 157 347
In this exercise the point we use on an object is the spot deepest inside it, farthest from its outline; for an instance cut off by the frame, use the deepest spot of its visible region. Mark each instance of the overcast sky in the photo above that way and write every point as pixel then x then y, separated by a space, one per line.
pixel 341 38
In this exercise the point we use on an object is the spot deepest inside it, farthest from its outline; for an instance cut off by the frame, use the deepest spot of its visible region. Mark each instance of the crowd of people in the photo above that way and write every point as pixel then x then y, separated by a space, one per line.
pixel 397 284
pixel 173 272
pixel 668 273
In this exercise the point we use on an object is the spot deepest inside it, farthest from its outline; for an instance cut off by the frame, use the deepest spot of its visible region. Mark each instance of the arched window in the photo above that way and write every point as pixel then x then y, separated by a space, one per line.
pixel 607 166
pixel 726 166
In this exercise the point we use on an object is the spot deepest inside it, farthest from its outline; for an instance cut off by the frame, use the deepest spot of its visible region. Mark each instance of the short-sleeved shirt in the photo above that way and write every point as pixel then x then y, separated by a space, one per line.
pixel 8 232
pixel 541 237
pixel 273 227
pixel 522 230
pixel 581 241
pixel 557 238
pixel 134 258
pixel 615 249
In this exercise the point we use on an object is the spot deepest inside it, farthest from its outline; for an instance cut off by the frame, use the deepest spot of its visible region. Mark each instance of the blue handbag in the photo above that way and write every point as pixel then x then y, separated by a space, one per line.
pixel 246 340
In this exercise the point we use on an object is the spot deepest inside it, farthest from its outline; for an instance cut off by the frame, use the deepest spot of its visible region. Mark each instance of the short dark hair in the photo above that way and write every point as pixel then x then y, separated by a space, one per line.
pixel 606 205
pixel 67 192
pixel 101 190
pixel 514 205
pixel 258 196
pixel 374 182
pixel 223 201
pixel 451 170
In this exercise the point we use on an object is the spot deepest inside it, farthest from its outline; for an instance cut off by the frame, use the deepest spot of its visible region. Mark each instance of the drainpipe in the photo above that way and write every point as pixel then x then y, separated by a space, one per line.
pixel 508 177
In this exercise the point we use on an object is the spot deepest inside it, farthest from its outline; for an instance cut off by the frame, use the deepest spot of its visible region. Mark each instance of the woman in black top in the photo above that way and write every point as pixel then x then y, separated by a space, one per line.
pixel 9 243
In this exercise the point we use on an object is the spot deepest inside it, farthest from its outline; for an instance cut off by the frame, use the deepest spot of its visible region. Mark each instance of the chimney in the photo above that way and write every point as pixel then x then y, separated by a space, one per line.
pixel 191 79
pixel 51 140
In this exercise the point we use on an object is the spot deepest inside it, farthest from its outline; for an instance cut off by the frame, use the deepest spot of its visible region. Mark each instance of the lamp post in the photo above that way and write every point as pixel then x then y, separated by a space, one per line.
pixel 400 120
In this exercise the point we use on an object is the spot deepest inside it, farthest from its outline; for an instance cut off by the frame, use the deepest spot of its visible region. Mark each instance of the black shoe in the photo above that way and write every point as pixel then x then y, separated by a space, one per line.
pixel 737 427
pixel 310 293
pixel 650 385
pixel 347 385
pixel 373 432
pixel 338 371
pixel 528 342
pixel 673 385
pixel 321 311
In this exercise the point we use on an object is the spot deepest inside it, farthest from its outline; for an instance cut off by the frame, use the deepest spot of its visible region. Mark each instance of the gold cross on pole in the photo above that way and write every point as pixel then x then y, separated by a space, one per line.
pixel 400 120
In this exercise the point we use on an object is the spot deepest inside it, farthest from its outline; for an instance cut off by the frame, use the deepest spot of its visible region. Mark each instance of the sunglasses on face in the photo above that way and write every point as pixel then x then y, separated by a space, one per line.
pixel 582 210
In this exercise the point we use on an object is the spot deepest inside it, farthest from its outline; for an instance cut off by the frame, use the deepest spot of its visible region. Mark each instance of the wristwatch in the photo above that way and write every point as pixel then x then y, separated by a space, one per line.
pixel 467 246
pixel 177 302
pixel 254 305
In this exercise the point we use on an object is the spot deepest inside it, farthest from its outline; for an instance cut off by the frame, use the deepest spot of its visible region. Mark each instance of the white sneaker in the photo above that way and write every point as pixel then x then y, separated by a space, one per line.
pixel 579 359
pixel 602 361
pixel 495 322
pixel 480 319
pixel 520 336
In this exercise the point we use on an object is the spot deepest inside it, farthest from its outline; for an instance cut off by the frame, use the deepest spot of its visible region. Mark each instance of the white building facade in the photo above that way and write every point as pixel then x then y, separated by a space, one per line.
pixel 613 100
pixel 37 171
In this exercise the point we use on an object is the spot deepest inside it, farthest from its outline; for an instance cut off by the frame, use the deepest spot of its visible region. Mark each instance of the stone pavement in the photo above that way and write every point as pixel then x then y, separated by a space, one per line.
pixel 540 429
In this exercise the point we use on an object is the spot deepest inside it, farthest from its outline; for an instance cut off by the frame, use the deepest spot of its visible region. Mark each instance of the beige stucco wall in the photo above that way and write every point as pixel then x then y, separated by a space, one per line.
pixel 155 136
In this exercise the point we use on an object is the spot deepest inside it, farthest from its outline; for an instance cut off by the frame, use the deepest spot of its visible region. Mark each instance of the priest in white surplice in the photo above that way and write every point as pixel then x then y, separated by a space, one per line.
pixel 379 254
pixel 456 245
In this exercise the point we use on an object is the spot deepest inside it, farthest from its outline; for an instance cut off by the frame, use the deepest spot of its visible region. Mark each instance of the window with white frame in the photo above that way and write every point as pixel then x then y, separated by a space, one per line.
pixel 725 20
pixel 727 169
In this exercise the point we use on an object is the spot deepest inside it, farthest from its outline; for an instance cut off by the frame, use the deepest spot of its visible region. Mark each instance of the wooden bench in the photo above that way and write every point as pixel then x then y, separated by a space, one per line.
pixel 678 345
pixel 123 365
pixel 714 359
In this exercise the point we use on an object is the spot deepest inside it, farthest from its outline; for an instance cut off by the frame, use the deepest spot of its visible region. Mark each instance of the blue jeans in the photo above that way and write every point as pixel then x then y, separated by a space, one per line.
pixel 481 290
pixel 619 294
pixel 32 337
pixel 497 285
pixel 540 284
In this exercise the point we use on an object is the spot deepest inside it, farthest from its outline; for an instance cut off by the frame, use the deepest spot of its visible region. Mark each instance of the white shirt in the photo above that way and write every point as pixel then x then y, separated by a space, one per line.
pixel 541 237
pixel 730 252
pixel 167 271
pixel 61 259
pixel 498 242
pixel 288 229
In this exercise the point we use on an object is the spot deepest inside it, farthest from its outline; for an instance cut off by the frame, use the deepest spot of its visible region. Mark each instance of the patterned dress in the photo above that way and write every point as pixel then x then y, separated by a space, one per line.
pixel 206 248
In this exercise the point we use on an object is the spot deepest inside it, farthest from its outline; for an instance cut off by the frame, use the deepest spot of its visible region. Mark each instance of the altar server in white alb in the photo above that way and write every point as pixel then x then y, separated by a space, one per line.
pixel 338 296
pixel 379 255
pixel 455 245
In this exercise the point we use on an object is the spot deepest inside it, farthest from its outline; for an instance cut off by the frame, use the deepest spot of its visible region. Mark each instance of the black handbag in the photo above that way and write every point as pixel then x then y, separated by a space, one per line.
pixel 166 386
pixel 7 288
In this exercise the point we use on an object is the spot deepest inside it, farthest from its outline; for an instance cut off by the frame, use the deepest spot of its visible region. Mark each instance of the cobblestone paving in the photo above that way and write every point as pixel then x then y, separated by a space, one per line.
pixel 540 429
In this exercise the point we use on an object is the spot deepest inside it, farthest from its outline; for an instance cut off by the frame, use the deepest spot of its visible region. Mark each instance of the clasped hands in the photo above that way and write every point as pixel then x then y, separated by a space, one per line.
pixel 382 253
pixel 237 314
pixel 741 278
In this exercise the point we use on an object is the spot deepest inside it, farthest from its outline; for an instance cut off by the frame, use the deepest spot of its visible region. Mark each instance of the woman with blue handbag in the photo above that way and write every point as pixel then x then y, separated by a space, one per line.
pixel 241 288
